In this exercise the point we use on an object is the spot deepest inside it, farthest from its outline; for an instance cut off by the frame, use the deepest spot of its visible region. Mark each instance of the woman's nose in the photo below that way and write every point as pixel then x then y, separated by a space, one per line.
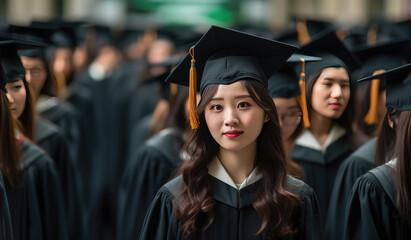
pixel 231 118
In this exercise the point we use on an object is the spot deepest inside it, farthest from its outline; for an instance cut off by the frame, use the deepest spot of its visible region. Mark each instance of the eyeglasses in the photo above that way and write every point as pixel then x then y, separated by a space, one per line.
pixel 35 71
pixel 290 118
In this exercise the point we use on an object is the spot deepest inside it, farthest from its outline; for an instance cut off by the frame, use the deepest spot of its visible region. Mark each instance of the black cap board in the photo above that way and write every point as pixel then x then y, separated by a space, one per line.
pixel 224 56
pixel 398 95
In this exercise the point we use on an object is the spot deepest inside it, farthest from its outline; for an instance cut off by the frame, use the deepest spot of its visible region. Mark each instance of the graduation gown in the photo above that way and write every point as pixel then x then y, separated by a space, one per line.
pixel 235 217
pixel 150 168
pixel 36 206
pixel 321 164
pixel 357 164
pixel 6 231
pixel 371 211
pixel 53 142
pixel 66 117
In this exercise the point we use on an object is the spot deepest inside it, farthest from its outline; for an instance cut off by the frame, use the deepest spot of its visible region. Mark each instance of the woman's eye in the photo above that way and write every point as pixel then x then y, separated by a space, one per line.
pixel 216 107
pixel 243 105
pixel 17 87
pixel 328 84
pixel 345 86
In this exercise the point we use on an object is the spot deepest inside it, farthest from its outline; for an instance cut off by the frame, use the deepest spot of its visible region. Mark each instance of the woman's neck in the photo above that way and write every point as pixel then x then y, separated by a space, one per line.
pixel 238 164
pixel 320 127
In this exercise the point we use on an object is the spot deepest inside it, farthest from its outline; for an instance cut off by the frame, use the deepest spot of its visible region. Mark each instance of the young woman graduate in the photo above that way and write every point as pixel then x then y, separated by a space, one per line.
pixel 8 157
pixel 376 59
pixel 51 140
pixel 379 203
pixel 151 167
pixel 283 87
pixel 33 191
pixel 321 148
pixel 233 184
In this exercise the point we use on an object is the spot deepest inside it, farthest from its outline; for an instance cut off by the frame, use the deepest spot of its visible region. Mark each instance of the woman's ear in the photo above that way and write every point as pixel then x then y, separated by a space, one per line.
pixel 266 118
pixel 391 122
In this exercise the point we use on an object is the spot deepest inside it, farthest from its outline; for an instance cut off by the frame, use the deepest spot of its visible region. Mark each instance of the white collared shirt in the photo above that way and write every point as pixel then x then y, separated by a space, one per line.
pixel 307 139
pixel 217 170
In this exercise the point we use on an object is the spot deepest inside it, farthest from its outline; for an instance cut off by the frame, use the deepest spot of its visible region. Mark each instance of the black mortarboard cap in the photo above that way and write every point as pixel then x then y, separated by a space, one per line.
pixel 224 56
pixel 332 51
pixel 10 63
pixel 382 56
pixel 376 59
pixel 284 82
pixel 301 30
pixel 398 94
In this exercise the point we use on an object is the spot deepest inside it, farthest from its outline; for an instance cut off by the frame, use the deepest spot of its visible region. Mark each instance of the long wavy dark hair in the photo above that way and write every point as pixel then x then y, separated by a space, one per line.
pixel 346 119
pixel 273 202
pixel 401 174
pixel 10 154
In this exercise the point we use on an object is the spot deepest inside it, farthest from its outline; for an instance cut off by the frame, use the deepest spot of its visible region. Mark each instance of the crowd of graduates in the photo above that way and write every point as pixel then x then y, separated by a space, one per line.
pixel 217 133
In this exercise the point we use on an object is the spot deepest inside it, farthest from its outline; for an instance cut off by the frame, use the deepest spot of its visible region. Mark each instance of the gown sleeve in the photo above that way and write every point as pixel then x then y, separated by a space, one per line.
pixel 143 178
pixel 160 222
pixel 347 174
pixel 309 218
pixel 368 212
pixel 6 232
pixel 44 185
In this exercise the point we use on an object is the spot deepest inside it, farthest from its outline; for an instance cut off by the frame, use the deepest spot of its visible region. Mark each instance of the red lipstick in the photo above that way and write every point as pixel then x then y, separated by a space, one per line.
pixel 232 134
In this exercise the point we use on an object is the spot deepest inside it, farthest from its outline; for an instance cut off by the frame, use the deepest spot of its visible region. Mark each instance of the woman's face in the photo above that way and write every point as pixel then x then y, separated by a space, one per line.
pixel 233 118
pixel 331 93
pixel 63 61
pixel 16 94
pixel 36 73
pixel 289 115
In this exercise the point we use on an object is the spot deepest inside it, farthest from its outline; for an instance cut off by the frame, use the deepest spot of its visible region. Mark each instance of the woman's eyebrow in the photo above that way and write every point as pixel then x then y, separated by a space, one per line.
pixel 334 79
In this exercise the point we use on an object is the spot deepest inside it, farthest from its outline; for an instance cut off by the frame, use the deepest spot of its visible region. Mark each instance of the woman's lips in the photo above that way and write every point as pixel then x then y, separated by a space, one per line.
pixel 336 105
pixel 232 134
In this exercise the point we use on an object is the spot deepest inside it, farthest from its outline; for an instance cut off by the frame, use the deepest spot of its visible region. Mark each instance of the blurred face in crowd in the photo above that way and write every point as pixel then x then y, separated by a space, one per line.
pixel 331 93
pixel 36 73
pixel 16 95
pixel 63 61
pixel 289 115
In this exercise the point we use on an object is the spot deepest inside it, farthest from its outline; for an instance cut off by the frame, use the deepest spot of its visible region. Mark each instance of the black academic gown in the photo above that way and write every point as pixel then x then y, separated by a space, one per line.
pixel 37 207
pixel 68 119
pixel 357 164
pixel 235 217
pixel 321 168
pixel 6 231
pixel 52 141
pixel 371 211
pixel 150 168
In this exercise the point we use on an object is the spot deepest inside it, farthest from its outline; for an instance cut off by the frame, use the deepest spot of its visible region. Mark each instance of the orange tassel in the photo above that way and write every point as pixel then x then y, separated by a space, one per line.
pixel 192 94
pixel 302 32
pixel 372 116
pixel 303 99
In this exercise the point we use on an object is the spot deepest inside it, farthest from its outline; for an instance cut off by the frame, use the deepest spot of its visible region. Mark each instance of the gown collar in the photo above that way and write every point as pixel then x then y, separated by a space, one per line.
pixel 308 140
pixel 217 170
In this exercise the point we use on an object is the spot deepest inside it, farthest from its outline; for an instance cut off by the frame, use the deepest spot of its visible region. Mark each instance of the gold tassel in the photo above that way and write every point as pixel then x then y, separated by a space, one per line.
pixel 192 98
pixel 371 117
pixel 302 32
pixel 60 83
pixel 303 99
pixel 372 34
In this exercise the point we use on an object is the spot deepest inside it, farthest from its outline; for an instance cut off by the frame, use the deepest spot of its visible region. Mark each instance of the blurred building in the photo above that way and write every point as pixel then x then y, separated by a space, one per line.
pixel 274 14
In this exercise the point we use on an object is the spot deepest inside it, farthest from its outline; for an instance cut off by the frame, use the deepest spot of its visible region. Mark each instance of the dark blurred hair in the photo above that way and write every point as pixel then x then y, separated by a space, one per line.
pixel 386 139
pixel 274 204
pixel 401 174
pixel 361 107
